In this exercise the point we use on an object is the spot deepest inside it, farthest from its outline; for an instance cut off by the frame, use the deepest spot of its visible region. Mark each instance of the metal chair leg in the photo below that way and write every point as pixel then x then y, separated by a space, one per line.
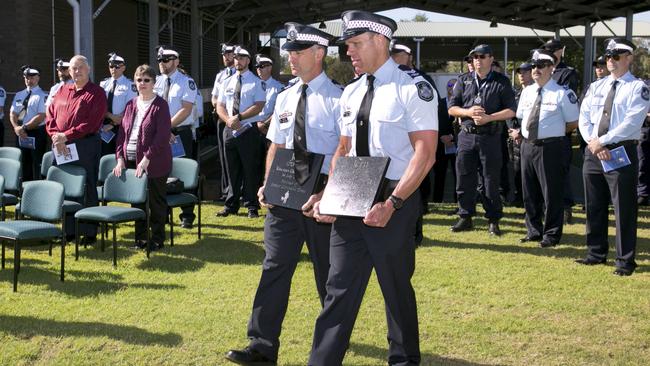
pixel 171 226
pixel 16 261
pixel 114 246
pixel 76 239
pixel 3 254
pixel 199 219
pixel 63 244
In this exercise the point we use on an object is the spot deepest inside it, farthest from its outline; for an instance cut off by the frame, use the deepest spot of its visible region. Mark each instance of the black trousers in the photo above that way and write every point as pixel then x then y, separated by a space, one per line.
pixel 285 231
pixel 479 152
pixel 243 155
pixel 31 159
pixel 620 184
pixel 643 150
pixel 109 148
pixel 157 192
pixel 440 172
pixel 543 189
pixel 89 149
pixel 566 164
pixel 514 150
pixel 355 249
pixel 185 134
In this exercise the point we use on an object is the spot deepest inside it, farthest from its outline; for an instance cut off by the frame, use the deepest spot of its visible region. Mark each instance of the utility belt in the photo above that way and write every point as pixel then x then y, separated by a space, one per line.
pixel 489 129
pixel 179 129
pixel 548 140
pixel 622 143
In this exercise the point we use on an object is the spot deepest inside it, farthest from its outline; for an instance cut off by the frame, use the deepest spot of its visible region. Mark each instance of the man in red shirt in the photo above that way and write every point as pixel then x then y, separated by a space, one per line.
pixel 75 117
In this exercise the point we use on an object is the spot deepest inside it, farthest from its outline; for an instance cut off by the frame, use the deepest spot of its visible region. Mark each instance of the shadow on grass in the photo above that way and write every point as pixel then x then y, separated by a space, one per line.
pixel 161 262
pixel 27 327
pixel 381 355
pixel 234 227
pixel 223 251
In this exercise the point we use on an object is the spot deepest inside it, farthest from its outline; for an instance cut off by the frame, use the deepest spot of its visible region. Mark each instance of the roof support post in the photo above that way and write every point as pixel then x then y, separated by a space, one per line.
pixel 86 32
pixel 629 21
pixel 196 35
pixel 221 38
pixel 587 68
pixel 153 32
pixel 417 52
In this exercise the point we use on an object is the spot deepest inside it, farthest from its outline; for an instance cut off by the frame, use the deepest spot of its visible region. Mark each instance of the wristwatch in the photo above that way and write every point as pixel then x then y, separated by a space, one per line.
pixel 397 202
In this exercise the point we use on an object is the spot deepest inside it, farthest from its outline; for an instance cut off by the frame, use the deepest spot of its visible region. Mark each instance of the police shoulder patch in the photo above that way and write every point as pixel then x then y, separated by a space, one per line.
pixel 425 91
pixel 133 88
pixel 191 84
pixel 645 93
pixel 573 98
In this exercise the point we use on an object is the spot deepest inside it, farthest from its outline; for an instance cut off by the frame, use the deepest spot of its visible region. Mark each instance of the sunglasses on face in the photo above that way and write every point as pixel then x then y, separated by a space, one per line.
pixel 62 68
pixel 476 57
pixel 615 57
pixel 143 80
pixel 165 60
pixel 541 65
pixel 262 66
pixel 114 66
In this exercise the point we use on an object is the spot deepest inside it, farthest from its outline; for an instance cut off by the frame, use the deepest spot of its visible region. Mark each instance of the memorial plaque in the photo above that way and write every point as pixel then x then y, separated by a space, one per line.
pixel 355 186
pixel 281 187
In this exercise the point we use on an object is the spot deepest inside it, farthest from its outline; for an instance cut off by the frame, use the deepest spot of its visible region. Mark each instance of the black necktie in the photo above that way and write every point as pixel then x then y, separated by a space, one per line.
pixel 363 119
pixel 533 118
pixel 23 113
pixel 168 86
pixel 603 126
pixel 301 166
pixel 236 97
pixel 111 93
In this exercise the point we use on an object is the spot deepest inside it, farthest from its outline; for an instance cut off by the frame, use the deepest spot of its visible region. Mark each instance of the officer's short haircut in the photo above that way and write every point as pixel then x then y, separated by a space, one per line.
pixel 145 70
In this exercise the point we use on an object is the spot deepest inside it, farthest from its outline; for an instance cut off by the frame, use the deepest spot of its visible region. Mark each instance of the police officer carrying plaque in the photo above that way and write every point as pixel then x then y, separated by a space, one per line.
pixel 306 120
pixel 389 111
pixel 548 111
pixel 119 90
pixel 27 119
pixel 611 116
pixel 482 99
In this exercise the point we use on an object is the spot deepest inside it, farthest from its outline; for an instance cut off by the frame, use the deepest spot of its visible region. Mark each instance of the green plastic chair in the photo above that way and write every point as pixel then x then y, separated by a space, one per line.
pixel 11 170
pixel 73 178
pixel 106 165
pixel 187 170
pixel 13 153
pixel 2 191
pixel 42 202
pixel 46 163
pixel 124 189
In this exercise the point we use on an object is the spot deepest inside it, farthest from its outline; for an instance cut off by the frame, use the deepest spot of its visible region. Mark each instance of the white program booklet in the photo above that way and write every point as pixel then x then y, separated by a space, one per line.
pixel 68 156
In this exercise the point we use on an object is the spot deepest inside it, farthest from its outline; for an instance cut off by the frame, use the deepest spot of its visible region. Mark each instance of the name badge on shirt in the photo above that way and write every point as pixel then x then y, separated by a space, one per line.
pixel 284 117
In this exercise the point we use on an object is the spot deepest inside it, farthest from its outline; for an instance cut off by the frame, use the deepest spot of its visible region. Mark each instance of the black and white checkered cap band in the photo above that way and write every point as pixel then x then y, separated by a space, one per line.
pixel 306 37
pixel 367 24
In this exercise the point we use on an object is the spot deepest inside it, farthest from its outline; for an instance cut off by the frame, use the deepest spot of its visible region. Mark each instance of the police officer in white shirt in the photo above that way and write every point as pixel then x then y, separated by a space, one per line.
pixel 228 57
pixel 286 229
pixel 180 93
pixel 611 117
pixel 548 112
pixel 264 67
pixel 390 111
pixel 64 78
pixel 241 99
pixel 119 90
pixel 27 118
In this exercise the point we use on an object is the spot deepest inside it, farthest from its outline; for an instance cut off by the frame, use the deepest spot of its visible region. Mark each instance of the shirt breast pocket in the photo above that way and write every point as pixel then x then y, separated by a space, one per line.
pixel 389 122
pixel 596 111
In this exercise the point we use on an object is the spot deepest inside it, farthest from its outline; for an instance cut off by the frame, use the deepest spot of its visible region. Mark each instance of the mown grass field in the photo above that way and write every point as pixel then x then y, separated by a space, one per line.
pixel 481 301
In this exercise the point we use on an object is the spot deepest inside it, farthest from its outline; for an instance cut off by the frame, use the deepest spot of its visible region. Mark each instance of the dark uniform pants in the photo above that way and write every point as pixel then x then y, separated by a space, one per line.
pixel 543 188
pixel 440 172
pixel 355 249
pixel 242 156
pixel 474 152
pixel 566 164
pixel 285 230
pixel 620 184
pixel 185 134
pixel 643 150
pixel 31 159
pixel 157 194
pixel 89 149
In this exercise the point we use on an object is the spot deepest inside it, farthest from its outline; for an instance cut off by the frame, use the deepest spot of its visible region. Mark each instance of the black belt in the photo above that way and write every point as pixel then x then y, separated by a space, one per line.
pixel 622 143
pixel 489 129
pixel 179 129
pixel 548 140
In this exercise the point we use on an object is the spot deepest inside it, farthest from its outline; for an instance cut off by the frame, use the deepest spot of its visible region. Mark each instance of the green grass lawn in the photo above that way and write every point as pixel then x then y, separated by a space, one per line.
pixel 481 301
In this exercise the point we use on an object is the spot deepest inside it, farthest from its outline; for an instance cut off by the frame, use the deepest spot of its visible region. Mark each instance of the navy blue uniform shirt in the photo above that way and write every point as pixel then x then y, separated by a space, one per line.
pixel 496 94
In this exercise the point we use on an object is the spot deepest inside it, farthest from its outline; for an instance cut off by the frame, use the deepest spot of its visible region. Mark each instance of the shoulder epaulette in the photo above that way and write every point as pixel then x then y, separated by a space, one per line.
pixel 354 80
pixel 413 73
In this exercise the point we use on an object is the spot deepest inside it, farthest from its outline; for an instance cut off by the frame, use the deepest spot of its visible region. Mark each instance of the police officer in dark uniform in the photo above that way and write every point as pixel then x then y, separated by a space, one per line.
pixel 389 111
pixel 611 117
pixel 547 111
pixel 483 99
pixel 316 99
pixel 514 131
pixel 565 75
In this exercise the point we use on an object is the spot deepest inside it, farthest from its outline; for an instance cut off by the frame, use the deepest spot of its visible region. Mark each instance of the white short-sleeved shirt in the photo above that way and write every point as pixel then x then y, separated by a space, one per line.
pixel 197 110
pixel 559 107
pixel 53 90
pixel 35 105
pixel 182 89
pixel 3 96
pixel 272 87
pixel 125 90
pixel 322 117
pixel 221 76
pixel 403 102
pixel 251 93
pixel 628 110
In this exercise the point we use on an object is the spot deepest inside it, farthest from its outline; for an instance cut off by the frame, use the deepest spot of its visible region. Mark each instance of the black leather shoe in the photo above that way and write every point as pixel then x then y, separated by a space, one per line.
pixel 547 243
pixel 493 228
pixel 590 261
pixel 140 245
pixel 225 213
pixel 186 224
pixel 463 224
pixel 623 272
pixel 156 246
pixel 568 216
pixel 248 356
pixel 530 238
pixel 253 214
pixel 642 201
